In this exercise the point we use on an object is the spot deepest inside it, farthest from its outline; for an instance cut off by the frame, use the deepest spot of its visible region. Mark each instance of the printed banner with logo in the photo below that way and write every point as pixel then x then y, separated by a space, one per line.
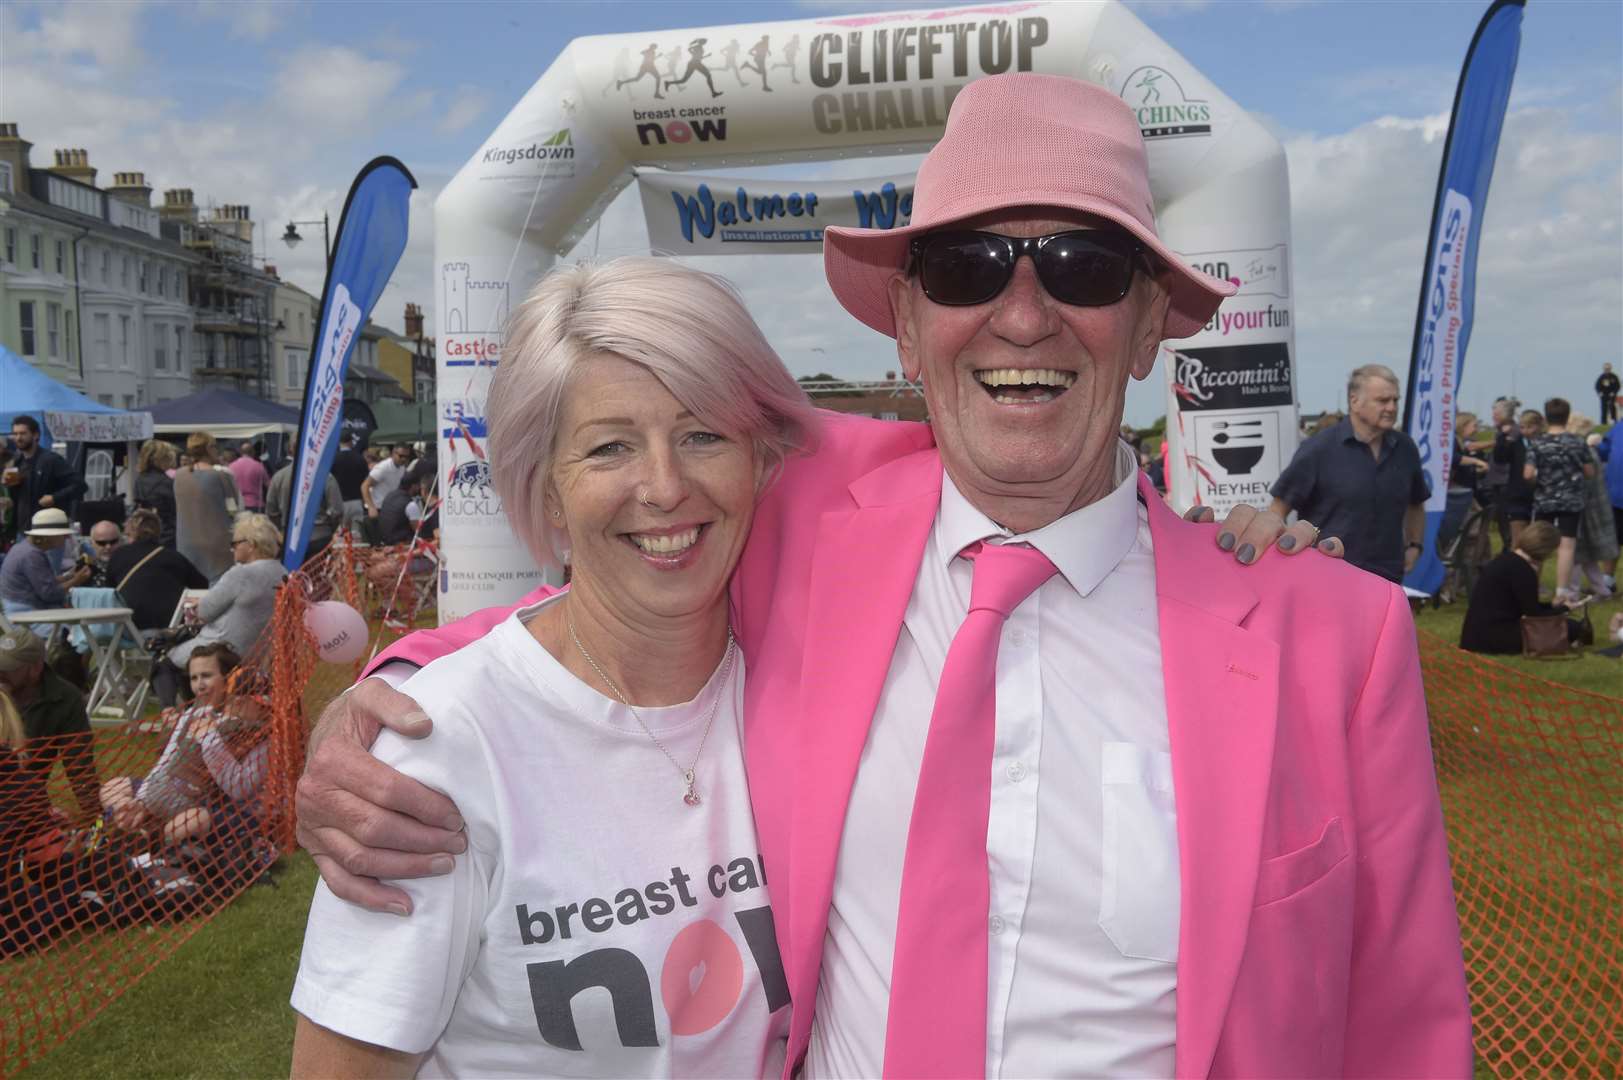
pixel 99 427
pixel 371 237
pixel 1448 290
pixel 719 215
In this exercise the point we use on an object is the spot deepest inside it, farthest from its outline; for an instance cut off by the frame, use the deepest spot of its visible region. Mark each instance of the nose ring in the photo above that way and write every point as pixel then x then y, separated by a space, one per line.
pixel 642 497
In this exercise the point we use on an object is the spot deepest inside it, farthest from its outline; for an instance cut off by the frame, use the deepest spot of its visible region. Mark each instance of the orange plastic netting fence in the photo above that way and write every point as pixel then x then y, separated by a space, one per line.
pixel 1531 774
pixel 117 845
pixel 99 883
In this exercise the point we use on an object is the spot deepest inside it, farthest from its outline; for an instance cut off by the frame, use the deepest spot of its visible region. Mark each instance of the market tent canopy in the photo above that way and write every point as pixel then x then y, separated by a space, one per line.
pixel 64 414
pixel 225 414
pixel 403 421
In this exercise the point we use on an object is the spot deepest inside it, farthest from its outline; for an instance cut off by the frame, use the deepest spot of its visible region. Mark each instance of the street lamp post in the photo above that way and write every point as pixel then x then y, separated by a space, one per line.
pixel 292 238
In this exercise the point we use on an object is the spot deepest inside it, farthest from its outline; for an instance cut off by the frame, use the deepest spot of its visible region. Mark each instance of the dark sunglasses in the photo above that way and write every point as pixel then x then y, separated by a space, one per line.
pixel 105 543
pixel 1083 268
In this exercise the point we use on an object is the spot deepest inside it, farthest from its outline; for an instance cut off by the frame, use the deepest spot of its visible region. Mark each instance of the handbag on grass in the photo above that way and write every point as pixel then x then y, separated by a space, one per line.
pixel 1544 637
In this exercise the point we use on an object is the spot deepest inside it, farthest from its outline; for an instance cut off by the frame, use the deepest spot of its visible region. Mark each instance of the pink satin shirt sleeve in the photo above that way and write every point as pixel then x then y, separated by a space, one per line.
pixel 425 645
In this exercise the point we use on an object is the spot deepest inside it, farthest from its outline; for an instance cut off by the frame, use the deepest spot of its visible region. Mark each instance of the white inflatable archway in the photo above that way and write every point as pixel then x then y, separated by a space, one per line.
pixel 838 87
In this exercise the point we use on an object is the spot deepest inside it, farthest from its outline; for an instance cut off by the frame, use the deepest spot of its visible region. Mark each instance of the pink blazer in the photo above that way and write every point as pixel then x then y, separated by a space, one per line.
pixel 1318 934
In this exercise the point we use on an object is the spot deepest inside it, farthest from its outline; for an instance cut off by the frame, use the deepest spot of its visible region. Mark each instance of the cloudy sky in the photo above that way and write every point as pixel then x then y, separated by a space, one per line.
pixel 277 104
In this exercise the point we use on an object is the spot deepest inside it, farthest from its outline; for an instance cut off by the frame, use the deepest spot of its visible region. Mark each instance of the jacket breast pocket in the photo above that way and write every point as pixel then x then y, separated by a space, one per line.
pixel 1286 875
pixel 1139 891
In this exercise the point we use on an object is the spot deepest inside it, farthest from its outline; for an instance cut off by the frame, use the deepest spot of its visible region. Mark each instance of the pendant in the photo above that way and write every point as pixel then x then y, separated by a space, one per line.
pixel 692 796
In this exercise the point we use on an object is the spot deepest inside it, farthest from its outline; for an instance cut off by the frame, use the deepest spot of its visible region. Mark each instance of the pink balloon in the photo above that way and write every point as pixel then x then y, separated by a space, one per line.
pixel 339 630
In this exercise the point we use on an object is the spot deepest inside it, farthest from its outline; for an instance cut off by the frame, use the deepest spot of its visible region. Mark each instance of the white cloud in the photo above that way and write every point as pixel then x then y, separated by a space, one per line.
pixel 93 37
pixel 253 20
pixel 335 89
pixel 1549 271
pixel 467 104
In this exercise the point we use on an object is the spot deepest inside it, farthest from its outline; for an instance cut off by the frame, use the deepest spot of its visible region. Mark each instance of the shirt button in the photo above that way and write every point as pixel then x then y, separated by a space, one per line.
pixel 1017 771
pixel 1019 637
pixel 995 924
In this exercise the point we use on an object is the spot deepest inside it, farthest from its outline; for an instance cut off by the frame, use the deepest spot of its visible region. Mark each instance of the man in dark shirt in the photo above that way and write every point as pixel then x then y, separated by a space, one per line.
pixel 54 717
pixel 1607 386
pixel 349 468
pixel 402 509
pixel 39 479
pixel 1361 479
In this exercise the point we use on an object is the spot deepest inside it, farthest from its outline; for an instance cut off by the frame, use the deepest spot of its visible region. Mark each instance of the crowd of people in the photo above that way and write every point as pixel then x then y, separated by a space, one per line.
pixel 133 848
pixel 210 519
pixel 1555 488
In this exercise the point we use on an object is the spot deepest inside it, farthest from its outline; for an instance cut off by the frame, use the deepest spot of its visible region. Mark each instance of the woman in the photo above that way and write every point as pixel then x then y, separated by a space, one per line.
pixel 1559 464
pixel 1507 590
pixel 200 779
pixel 155 486
pixel 206 500
pixel 628 391
pixel 1463 477
pixel 149 576
pixel 237 607
pixel 1597 550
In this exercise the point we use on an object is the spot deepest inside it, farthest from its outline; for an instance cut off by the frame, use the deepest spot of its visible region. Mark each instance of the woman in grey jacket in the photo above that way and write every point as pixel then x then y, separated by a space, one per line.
pixel 238 606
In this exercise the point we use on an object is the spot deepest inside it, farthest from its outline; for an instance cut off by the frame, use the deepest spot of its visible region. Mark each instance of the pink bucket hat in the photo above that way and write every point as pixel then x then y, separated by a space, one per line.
pixel 1022 140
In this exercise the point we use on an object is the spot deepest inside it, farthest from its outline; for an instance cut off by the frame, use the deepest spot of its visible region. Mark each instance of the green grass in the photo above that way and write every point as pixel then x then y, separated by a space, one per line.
pixel 218 1006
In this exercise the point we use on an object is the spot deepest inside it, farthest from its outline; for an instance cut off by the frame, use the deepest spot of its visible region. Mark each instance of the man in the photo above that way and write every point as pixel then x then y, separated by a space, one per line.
pixel 105 538
pixel 403 509
pixel 384 478
pixel 251 478
pixel 1607 386
pixel 1361 479
pixel 54 717
pixel 39 479
pixel 27 582
pixel 1173 817
pixel 329 516
pixel 350 469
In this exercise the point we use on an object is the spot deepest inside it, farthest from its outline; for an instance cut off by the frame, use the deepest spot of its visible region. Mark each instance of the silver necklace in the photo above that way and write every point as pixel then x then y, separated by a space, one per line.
pixel 691 795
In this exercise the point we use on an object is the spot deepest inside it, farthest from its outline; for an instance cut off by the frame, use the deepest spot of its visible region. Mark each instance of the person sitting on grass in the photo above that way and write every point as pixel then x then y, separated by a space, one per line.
pixel 1507 590
pixel 202 780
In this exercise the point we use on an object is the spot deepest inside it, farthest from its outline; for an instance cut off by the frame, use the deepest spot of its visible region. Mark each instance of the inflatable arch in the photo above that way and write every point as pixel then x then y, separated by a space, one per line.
pixel 664 103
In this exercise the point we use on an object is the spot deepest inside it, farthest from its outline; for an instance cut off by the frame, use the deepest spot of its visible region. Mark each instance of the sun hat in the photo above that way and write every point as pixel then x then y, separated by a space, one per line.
pixel 50 522
pixel 20 648
pixel 1022 140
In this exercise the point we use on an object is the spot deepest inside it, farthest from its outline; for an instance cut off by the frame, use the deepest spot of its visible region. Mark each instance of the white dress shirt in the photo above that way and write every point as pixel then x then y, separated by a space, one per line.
pixel 1081 843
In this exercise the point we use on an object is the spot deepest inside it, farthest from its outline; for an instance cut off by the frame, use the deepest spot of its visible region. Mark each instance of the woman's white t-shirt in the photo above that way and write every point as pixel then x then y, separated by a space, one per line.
pixel 597 925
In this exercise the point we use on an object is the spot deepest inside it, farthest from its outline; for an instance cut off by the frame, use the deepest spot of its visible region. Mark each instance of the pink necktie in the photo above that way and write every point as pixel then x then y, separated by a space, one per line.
pixel 937 1025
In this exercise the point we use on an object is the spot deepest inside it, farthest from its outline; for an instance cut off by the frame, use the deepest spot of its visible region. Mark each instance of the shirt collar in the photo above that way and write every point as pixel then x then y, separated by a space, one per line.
pixel 1389 438
pixel 1085 545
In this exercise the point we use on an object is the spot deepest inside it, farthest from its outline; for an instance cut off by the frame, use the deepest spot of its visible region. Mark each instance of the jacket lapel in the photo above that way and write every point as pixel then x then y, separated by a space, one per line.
pixel 1222 696
pixel 864 568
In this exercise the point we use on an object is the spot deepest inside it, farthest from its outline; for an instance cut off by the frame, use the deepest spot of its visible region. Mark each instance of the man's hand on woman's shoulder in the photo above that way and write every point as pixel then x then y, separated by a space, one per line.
pixel 1249 532
pixel 362 820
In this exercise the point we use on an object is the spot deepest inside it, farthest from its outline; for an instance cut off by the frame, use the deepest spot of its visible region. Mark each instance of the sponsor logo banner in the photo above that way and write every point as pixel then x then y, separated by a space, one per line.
pixel 1235 457
pixel 366 248
pixel 98 427
pixel 1257 271
pixel 716 215
pixel 1448 290
pixel 474 302
pixel 1233 377
pixel 1163 108
pixel 552 156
